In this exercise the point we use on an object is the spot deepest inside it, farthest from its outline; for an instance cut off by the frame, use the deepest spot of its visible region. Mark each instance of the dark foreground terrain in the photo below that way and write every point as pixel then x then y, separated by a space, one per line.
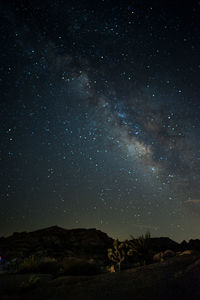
pixel 55 263
pixel 175 278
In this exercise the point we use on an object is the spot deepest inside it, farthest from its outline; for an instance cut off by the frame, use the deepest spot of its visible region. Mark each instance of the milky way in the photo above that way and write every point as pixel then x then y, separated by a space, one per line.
pixel 99 117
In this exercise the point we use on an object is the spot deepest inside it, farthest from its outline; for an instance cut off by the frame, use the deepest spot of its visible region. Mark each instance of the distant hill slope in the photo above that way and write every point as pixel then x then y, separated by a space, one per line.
pixel 85 243
pixel 164 243
pixel 57 242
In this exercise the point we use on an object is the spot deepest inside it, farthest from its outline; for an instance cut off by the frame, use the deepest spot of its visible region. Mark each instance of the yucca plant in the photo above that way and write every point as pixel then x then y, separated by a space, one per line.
pixel 140 247
pixel 118 253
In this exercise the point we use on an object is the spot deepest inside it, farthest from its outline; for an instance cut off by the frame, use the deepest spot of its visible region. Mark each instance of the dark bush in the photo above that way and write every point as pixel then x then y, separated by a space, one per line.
pixel 29 265
pixel 50 267
pixel 79 267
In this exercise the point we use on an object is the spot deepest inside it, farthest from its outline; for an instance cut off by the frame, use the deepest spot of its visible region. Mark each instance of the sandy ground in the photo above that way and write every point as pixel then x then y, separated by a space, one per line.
pixel 176 278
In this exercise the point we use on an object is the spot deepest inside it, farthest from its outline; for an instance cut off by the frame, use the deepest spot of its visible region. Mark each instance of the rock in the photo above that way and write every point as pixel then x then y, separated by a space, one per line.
pixel 158 257
pixel 168 254
pixel 161 256
pixel 187 252
pixel 112 269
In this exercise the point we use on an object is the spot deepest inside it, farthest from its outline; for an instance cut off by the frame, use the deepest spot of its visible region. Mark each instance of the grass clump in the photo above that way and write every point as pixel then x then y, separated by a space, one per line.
pixel 29 265
pixel 32 281
pixel 45 265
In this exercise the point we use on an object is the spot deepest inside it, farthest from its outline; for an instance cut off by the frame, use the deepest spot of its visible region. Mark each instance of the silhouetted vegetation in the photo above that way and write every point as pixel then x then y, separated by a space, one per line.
pixel 140 247
pixel 76 266
pixel 30 283
pixel 29 265
pixel 118 253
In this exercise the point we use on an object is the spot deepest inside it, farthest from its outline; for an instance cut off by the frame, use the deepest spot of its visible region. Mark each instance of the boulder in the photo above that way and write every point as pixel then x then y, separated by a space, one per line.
pixel 158 257
pixel 161 256
pixel 187 252
pixel 168 253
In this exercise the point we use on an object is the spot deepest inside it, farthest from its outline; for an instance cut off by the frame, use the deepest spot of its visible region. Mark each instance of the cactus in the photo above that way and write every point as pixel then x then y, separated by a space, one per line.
pixel 118 254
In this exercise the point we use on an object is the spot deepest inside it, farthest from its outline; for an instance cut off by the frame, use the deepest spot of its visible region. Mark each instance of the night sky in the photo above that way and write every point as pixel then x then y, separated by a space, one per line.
pixel 100 116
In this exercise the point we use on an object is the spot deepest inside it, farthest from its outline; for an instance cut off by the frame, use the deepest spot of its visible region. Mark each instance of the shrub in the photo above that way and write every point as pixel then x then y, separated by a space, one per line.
pixel 76 266
pixel 44 265
pixel 49 267
pixel 140 247
pixel 29 265
pixel 30 283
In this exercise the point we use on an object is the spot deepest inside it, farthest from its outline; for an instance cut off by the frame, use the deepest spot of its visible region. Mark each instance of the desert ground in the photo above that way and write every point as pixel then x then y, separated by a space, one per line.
pixel 175 278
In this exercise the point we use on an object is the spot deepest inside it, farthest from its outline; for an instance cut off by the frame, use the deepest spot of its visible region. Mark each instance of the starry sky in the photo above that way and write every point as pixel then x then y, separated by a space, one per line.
pixel 99 116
